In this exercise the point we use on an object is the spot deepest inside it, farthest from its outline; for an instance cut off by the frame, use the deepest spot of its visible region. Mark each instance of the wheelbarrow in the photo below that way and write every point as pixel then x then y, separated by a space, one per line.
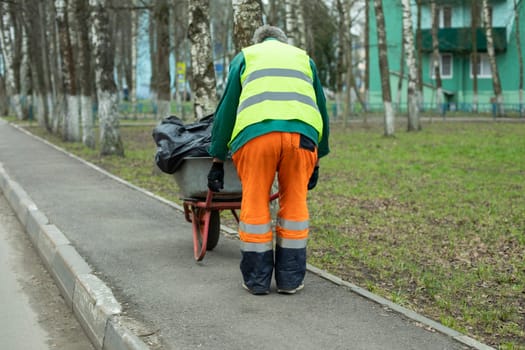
pixel 202 207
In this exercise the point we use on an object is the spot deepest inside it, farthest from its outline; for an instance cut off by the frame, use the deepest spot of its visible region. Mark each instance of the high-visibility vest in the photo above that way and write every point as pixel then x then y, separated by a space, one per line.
pixel 277 84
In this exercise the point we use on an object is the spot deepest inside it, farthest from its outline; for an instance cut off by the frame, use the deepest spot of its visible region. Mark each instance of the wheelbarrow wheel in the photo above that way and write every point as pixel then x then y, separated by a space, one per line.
pixel 214 230
pixel 206 231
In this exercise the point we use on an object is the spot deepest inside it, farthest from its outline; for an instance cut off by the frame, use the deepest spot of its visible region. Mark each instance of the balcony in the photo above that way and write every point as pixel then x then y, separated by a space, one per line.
pixel 460 39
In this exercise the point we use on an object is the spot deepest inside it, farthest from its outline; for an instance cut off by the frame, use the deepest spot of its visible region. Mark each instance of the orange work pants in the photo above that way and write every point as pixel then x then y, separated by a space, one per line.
pixel 256 163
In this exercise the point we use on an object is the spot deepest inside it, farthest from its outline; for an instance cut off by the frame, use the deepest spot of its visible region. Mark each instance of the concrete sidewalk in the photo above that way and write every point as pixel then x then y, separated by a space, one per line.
pixel 123 259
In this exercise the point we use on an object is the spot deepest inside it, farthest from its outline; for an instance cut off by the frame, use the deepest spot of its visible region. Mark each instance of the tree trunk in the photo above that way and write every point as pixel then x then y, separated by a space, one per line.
pixel 71 124
pixel 34 27
pixel 162 15
pixel 26 83
pixel 366 78
pixel 153 56
pixel 4 110
pixel 85 74
pixel 419 47
pixel 349 76
pixel 496 82
pixel 383 68
pixel 133 78
pixel 520 56
pixel 8 53
pixel 341 67
pixel 57 98
pixel 205 100
pixel 402 64
pixel 435 58
pixel 180 34
pixel 475 58
pixel 295 23
pixel 247 17
pixel 110 141
pixel 412 98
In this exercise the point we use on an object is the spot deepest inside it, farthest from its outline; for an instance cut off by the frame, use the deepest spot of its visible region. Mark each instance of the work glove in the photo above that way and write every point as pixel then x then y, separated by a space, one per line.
pixel 216 177
pixel 313 178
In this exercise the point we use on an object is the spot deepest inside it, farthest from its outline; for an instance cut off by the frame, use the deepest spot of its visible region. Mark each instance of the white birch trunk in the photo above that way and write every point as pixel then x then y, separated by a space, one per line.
pixel 496 83
pixel 205 100
pixel 247 17
pixel 110 141
pixel 86 115
pixel 6 36
pixel 25 77
pixel 73 118
pixel 163 108
pixel 389 118
pixel 295 29
pixel 134 39
pixel 41 107
pixel 413 101
pixel 383 68
pixel 435 58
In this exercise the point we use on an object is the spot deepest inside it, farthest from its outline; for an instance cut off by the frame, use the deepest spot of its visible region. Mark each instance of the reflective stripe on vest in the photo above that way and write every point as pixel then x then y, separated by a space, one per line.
pixel 276 85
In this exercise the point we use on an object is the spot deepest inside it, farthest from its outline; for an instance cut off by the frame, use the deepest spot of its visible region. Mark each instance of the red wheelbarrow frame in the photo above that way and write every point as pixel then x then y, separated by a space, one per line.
pixel 205 215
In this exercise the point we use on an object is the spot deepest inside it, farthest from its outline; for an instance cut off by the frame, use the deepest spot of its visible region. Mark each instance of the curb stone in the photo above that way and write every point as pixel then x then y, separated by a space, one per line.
pixel 90 300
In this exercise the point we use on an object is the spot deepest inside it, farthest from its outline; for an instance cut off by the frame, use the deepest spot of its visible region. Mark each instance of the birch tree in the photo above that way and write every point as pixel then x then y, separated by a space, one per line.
pixel 205 100
pixel 401 79
pixel 71 123
pixel 247 17
pixel 341 50
pixel 133 42
pixel 11 68
pixel 180 41
pixel 496 82
pixel 474 14
pixel 366 77
pixel 57 99
pixel 419 49
pixel 383 68
pixel 110 140
pixel 85 73
pixel 162 15
pixel 295 27
pixel 33 18
pixel 436 57
pixel 410 50
pixel 520 56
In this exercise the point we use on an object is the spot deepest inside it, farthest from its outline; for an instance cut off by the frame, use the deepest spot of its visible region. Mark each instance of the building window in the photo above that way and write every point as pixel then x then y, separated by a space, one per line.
pixel 483 69
pixel 445 17
pixel 445 66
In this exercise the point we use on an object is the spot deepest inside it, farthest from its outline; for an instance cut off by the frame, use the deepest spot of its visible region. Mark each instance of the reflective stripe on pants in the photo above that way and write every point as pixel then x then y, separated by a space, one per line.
pixel 256 163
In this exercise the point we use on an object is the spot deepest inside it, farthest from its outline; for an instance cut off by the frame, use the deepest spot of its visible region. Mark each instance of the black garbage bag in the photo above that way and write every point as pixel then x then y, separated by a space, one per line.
pixel 175 141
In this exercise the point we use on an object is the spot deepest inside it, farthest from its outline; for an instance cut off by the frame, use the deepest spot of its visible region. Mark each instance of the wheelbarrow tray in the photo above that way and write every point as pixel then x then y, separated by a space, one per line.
pixel 192 179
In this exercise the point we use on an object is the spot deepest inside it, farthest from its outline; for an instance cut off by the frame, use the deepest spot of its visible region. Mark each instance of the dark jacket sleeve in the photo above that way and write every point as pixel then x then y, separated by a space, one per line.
pixel 226 111
pixel 323 148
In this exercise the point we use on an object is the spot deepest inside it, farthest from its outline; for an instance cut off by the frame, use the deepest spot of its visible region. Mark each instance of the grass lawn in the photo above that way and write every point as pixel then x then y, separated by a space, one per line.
pixel 433 220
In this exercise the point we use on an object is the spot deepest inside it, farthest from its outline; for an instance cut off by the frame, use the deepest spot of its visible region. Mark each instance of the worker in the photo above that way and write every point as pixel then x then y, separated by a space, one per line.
pixel 272 119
